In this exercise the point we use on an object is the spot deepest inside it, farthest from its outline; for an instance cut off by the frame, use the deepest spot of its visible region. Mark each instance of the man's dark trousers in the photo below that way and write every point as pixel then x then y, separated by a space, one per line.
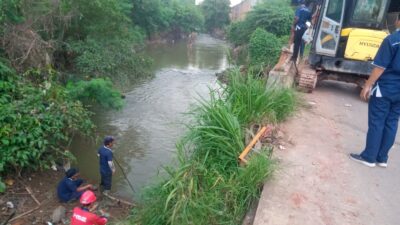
pixel 106 181
pixel 298 39
pixel 383 118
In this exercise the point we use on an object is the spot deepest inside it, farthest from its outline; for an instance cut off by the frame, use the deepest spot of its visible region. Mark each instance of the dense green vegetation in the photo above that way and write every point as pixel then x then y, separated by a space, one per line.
pixel 208 186
pixel 58 58
pixel 274 16
pixel 216 14
pixel 37 119
pixel 167 16
pixel 264 48
pixel 264 30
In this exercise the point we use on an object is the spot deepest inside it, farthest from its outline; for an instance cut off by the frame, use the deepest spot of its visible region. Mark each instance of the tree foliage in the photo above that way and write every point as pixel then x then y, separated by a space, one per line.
pixel 216 13
pixel 37 120
pixel 273 16
pixel 97 90
pixel 91 45
pixel 10 11
pixel 264 48
pixel 156 16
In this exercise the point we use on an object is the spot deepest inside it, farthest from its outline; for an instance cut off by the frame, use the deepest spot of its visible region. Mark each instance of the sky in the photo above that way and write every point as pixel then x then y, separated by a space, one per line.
pixel 233 2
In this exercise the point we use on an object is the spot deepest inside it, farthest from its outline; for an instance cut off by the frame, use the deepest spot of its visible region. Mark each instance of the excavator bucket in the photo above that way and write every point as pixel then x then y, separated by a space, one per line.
pixel 283 72
pixel 289 74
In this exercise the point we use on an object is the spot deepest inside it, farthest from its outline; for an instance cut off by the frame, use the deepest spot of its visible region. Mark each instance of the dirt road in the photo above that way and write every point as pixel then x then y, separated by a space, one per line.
pixel 316 183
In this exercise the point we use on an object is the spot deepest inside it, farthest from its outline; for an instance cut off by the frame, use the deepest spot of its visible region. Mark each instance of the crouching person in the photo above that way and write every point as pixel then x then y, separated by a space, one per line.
pixel 84 215
pixel 70 187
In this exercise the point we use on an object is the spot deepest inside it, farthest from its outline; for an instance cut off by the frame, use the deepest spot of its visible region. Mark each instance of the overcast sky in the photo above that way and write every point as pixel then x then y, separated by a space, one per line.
pixel 233 2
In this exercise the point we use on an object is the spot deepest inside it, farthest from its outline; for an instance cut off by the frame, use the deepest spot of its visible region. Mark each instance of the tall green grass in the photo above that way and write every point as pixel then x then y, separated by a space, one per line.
pixel 208 186
pixel 254 100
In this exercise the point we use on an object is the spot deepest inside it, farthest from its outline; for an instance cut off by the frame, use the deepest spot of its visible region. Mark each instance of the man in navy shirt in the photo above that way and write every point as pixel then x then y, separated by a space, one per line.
pixel 383 90
pixel 70 187
pixel 302 15
pixel 107 168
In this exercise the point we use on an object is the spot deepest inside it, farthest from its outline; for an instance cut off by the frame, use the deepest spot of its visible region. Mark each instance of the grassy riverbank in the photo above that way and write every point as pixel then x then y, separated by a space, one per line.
pixel 207 186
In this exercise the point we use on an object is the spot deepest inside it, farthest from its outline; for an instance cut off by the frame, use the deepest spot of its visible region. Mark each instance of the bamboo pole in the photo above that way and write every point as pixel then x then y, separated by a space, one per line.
pixel 252 143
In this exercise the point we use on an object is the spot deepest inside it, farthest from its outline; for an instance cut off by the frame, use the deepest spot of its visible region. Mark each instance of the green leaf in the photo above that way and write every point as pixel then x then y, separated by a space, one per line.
pixel 2 186
pixel 5 141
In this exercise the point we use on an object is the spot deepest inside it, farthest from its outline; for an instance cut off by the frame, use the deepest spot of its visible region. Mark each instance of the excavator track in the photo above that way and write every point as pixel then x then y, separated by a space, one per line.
pixel 307 78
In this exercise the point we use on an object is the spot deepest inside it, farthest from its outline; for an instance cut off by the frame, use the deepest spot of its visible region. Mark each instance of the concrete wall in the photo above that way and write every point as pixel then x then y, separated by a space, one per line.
pixel 239 11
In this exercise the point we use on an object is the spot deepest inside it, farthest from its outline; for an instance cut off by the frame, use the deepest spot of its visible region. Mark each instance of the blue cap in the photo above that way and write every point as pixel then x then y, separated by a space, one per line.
pixel 108 140
pixel 71 172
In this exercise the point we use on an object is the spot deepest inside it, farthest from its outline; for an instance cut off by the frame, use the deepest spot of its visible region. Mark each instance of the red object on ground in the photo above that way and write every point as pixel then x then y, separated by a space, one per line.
pixel 82 217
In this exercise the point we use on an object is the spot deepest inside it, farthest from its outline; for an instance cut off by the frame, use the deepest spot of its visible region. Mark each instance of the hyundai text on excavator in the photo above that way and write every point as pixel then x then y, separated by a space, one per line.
pixel 346 37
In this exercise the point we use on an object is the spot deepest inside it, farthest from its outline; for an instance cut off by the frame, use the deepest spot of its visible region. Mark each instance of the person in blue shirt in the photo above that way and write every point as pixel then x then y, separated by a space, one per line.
pixel 383 91
pixel 70 187
pixel 107 168
pixel 302 15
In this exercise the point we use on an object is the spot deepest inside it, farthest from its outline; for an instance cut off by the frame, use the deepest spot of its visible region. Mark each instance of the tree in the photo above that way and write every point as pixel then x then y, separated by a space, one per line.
pixel 216 13
pixel 264 48
pixel 274 16
pixel 156 16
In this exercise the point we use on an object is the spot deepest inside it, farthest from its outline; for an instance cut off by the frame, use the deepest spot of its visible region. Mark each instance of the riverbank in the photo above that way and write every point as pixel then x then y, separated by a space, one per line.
pixel 33 197
pixel 208 186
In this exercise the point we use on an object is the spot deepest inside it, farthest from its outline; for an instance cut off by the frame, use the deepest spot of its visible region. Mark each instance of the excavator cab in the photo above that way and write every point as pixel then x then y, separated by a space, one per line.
pixel 346 37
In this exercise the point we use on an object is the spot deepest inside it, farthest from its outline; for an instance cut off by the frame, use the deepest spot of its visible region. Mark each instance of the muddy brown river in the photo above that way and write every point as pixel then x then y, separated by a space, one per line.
pixel 153 118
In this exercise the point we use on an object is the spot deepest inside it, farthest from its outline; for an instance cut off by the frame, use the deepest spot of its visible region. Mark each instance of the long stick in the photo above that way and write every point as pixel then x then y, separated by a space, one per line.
pixel 119 200
pixel 123 173
pixel 28 189
pixel 252 143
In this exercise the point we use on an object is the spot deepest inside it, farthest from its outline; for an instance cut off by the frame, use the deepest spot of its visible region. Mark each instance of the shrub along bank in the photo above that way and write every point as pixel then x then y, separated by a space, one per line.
pixel 208 186
pixel 37 120
pixel 263 32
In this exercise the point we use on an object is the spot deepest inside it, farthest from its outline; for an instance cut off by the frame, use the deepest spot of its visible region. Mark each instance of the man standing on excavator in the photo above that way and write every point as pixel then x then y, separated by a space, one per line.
pixel 383 91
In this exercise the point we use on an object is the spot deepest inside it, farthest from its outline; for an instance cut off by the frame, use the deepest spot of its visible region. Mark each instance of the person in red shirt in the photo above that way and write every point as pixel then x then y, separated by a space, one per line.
pixel 84 215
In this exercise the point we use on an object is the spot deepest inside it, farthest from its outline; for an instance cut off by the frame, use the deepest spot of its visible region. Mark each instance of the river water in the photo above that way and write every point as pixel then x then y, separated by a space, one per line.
pixel 153 118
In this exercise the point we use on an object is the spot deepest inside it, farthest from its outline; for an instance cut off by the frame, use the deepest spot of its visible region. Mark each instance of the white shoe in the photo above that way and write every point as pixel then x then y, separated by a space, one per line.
pixel 383 165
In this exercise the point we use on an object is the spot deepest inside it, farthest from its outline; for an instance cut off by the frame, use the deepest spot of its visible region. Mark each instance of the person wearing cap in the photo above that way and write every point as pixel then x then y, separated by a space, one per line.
pixel 302 15
pixel 70 187
pixel 382 90
pixel 107 168
pixel 84 215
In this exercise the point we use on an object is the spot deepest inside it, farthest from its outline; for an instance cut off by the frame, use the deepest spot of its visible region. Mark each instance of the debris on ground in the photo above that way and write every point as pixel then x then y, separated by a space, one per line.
pixel 58 214
pixel 312 103
pixel 19 203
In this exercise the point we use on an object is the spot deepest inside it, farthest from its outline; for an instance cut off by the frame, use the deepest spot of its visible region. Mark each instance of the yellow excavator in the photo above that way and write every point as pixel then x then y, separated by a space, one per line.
pixel 346 37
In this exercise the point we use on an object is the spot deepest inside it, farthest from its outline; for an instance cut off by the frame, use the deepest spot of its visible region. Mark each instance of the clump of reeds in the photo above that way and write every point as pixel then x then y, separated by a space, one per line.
pixel 208 186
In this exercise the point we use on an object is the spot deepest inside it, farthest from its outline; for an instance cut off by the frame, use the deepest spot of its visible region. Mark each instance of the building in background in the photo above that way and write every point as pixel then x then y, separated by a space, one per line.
pixel 239 11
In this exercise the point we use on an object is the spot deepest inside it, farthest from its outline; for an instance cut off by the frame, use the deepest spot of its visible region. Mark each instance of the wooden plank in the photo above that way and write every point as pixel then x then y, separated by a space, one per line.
pixel 252 143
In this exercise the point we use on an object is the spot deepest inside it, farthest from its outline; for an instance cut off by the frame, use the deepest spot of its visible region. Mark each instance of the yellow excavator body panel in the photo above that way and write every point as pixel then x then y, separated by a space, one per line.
pixel 362 44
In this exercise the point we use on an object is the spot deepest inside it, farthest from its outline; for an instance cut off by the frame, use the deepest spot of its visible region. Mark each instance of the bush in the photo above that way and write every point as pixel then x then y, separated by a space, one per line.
pixel 156 16
pixel 264 48
pixel 37 121
pixel 100 91
pixel 216 14
pixel 238 33
pixel 274 16
pixel 115 59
